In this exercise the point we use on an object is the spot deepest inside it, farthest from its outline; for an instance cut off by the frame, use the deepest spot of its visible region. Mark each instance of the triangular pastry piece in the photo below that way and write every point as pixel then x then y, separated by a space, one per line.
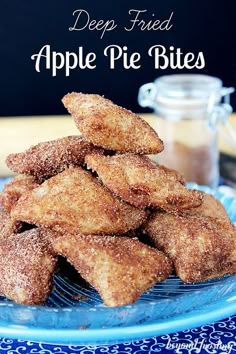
pixel 75 202
pixel 48 158
pixel 14 189
pixel 201 248
pixel 105 124
pixel 210 206
pixel 119 268
pixel 27 263
pixel 143 182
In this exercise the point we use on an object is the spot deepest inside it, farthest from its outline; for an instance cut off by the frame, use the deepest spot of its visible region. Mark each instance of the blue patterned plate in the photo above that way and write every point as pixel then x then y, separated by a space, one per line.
pixel 74 313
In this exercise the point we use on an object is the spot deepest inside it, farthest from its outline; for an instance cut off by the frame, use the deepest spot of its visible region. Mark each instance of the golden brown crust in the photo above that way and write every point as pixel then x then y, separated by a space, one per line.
pixel 77 214
pixel 105 124
pixel 210 207
pixel 26 267
pixel 143 183
pixel 75 202
pixel 14 189
pixel 201 248
pixel 7 225
pixel 46 159
pixel 120 268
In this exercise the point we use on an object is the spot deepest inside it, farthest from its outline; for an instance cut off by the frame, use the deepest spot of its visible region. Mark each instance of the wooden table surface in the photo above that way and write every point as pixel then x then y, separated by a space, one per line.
pixel 19 133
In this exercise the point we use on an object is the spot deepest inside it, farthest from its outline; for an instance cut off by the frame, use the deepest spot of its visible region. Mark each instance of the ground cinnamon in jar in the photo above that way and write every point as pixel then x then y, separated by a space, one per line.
pixel 194 163
pixel 188 111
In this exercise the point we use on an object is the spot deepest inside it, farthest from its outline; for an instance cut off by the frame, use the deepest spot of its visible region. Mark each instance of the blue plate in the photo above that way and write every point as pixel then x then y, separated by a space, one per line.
pixel 74 312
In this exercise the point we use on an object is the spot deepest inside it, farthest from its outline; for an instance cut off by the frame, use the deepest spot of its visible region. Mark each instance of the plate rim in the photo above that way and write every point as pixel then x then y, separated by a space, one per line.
pixel 109 336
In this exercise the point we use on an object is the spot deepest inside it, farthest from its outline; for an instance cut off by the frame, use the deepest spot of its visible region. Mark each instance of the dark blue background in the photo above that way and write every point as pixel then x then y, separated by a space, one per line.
pixel 26 26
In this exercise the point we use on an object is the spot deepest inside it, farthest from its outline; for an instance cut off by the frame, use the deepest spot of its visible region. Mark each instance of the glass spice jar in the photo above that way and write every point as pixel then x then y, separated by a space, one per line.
pixel 190 110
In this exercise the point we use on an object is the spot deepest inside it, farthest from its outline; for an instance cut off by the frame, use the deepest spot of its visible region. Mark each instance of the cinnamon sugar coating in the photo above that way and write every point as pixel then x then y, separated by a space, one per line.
pixel 201 248
pixel 210 207
pixel 120 268
pixel 47 159
pixel 75 202
pixel 105 124
pixel 27 263
pixel 93 221
pixel 142 182
pixel 7 225
pixel 14 189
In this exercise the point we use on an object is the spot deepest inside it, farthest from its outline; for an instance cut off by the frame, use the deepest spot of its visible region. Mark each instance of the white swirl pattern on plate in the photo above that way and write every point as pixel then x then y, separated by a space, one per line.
pixel 219 337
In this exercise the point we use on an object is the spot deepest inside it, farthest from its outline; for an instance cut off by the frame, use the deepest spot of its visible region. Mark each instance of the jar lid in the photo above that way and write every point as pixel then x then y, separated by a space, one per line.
pixel 188 91
pixel 187 96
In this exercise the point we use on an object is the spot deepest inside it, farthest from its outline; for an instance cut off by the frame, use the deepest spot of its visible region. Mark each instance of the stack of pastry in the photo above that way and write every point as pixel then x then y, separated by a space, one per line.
pixel 89 197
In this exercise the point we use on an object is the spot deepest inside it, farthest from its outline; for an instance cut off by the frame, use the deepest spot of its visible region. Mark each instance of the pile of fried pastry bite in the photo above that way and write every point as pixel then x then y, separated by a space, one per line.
pixel 122 220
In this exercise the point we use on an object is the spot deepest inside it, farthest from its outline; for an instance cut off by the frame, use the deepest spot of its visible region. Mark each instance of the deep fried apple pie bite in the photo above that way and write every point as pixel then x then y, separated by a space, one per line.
pixel 75 202
pixel 14 189
pixel 201 248
pixel 27 263
pixel 143 182
pixel 119 268
pixel 49 158
pixel 105 124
